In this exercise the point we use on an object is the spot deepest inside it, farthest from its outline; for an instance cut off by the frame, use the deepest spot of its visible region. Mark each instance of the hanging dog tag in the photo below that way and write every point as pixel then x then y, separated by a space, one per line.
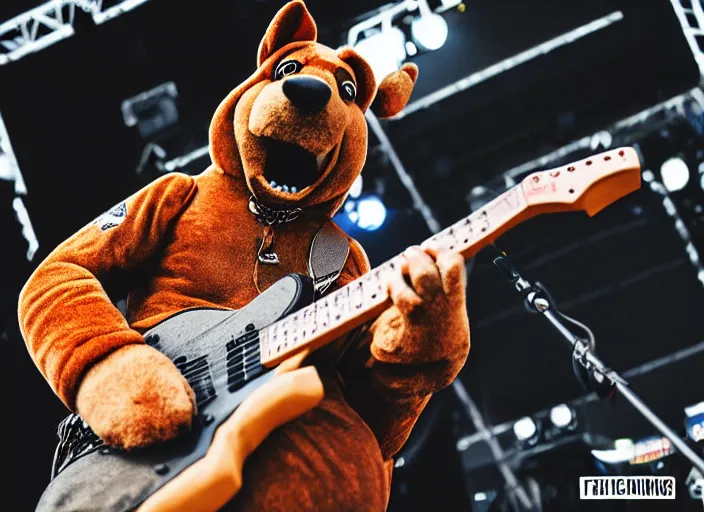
pixel 270 258
pixel 266 252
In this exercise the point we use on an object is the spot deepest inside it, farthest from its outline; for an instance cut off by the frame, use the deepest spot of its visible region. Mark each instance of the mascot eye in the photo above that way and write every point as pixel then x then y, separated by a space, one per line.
pixel 288 67
pixel 348 91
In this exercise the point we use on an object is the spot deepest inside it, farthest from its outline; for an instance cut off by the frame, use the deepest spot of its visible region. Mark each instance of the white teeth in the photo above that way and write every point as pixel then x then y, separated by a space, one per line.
pixel 284 187
pixel 321 161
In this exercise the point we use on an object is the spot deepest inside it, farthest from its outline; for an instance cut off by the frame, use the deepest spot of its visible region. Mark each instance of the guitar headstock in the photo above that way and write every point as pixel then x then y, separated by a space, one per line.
pixel 591 184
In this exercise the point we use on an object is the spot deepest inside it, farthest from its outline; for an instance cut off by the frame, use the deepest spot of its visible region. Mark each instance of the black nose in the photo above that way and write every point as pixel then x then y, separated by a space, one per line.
pixel 307 93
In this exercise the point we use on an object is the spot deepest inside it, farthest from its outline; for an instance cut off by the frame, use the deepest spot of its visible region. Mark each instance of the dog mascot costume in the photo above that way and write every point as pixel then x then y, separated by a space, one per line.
pixel 286 146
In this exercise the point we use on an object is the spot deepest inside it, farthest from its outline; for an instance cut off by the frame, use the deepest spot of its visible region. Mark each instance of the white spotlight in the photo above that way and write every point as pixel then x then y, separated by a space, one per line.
pixel 525 429
pixel 675 174
pixel 371 213
pixel 384 51
pixel 561 416
pixel 411 48
pixel 356 188
pixel 430 31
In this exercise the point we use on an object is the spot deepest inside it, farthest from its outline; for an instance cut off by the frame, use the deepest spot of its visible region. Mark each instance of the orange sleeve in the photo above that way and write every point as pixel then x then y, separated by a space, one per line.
pixel 382 394
pixel 65 315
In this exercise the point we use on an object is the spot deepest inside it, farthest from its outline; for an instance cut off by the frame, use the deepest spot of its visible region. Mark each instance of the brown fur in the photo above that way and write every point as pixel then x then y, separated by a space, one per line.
pixel 199 241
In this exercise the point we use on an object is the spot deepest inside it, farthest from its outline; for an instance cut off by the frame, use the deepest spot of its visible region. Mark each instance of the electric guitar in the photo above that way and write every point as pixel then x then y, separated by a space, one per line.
pixel 227 356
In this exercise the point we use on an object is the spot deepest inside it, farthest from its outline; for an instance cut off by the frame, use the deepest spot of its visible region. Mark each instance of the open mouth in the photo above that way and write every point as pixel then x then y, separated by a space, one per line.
pixel 290 168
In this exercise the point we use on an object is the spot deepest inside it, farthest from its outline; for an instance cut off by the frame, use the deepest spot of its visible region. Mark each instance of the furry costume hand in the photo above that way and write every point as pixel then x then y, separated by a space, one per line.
pixel 135 397
pixel 427 324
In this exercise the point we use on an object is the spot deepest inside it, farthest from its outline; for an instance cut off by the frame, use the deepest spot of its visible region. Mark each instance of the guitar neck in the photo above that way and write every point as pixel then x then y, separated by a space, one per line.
pixel 609 176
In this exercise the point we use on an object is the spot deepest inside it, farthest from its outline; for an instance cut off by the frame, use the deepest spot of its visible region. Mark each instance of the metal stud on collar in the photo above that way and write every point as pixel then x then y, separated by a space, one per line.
pixel 270 216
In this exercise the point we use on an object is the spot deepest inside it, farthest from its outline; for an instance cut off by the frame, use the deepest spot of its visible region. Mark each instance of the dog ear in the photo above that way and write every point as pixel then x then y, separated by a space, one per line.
pixel 395 91
pixel 292 23
pixel 366 83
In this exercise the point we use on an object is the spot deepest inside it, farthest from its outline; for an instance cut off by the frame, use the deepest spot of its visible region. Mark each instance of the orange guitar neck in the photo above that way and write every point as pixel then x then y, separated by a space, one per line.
pixel 589 185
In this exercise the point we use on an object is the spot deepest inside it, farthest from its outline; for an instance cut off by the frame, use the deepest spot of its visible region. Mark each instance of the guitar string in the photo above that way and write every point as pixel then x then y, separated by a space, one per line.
pixel 250 360
pixel 243 353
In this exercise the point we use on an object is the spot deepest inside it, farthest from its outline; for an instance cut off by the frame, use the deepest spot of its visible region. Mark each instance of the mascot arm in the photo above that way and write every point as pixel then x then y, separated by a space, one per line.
pixel 406 355
pixel 65 314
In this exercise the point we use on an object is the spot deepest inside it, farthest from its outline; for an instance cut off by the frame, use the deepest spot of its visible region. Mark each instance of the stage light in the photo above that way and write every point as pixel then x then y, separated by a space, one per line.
pixel 562 416
pixel 152 111
pixel 675 174
pixel 602 139
pixel 371 213
pixel 623 443
pixel 356 188
pixel 411 48
pixel 429 30
pixel 525 430
pixel 384 50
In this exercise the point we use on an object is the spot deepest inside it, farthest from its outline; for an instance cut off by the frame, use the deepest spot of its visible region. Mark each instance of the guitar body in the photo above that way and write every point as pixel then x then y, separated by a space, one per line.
pixel 218 352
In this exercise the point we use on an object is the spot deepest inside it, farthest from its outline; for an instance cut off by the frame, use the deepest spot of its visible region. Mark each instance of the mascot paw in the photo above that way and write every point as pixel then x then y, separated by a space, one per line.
pixel 427 325
pixel 135 397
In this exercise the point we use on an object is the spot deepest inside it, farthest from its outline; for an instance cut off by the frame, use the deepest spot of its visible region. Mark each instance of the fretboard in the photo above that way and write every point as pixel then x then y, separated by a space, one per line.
pixel 365 298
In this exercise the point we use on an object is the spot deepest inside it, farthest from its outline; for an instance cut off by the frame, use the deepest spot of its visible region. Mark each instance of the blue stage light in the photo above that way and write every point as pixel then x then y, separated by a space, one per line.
pixel 369 214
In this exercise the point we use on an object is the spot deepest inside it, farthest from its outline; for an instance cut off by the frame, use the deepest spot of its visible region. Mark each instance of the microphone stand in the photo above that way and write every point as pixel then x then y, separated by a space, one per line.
pixel 590 371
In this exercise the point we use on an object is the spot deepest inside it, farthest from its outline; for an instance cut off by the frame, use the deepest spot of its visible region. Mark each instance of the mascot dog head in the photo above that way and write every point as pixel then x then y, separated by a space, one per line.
pixel 295 130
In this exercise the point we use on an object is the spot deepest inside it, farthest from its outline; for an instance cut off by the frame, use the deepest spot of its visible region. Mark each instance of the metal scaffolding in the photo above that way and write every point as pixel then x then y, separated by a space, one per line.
pixel 691 16
pixel 50 23
pixel 10 171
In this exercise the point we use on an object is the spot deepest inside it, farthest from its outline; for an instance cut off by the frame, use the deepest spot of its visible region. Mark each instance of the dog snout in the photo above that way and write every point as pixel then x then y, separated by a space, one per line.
pixel 307 93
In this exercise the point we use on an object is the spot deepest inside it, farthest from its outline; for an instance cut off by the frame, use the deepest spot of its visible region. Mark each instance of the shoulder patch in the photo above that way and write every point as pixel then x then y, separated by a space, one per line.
pixel 112 218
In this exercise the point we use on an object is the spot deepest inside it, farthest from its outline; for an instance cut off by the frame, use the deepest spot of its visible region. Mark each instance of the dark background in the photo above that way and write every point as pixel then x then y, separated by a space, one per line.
pixel 624 273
